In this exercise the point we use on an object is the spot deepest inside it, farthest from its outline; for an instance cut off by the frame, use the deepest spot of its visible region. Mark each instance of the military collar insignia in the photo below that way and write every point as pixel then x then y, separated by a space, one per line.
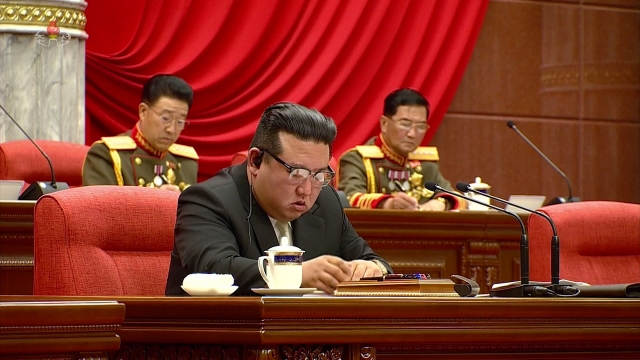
pixel 137 136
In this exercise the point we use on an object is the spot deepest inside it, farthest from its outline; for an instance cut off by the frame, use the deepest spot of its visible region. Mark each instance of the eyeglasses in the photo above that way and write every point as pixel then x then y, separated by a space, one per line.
pixel 406 125
pixel 166 120
pixel 298 175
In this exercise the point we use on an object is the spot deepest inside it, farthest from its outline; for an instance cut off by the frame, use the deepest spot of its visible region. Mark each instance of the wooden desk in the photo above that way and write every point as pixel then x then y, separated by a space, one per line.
pixel 376 328
pixel 59 329
pixel 483 246
pixel 16 247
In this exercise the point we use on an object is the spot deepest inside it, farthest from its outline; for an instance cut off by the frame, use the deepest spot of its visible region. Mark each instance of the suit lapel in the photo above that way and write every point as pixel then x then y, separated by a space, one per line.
pixel 309 234
pixel 262 228
pixel 263 233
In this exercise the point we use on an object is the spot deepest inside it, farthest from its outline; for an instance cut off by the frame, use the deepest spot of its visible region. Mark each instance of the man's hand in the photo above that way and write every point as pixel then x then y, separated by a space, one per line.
pixel 400 201
pixel 364 268
pixel 325 272
pixel 169 187
pixel 433 205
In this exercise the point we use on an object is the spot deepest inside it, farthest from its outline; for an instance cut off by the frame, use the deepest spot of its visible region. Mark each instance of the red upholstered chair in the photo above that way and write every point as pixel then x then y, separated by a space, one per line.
pixel 599 242
pixel 238 158
pixel 20 160
pixel 103 240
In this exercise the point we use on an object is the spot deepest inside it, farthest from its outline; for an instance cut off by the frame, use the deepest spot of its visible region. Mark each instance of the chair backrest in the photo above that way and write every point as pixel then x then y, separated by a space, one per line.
pixel 20 160
pixel 103 240
pixel 599 242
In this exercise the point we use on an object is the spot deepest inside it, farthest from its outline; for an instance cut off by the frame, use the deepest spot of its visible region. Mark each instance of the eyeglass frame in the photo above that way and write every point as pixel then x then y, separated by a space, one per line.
pixel 413 124
pixel 171 120
pixel 291 169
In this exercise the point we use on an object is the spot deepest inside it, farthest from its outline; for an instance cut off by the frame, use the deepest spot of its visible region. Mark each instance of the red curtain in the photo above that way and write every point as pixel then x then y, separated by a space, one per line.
pixel 340 57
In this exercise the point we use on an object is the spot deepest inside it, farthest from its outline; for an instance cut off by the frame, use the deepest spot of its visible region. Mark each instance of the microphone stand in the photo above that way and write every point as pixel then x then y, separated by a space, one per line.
pixel 558 199
pixel 555 241
pixel 38 188
pixel 524 289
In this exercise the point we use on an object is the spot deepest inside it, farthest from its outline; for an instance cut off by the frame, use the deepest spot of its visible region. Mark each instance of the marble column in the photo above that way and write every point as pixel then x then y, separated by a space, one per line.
pixel 42 69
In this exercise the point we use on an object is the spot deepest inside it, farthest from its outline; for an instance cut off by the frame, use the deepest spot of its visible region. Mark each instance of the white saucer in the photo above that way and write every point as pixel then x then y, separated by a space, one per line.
pixel 283 292
pixel 226 291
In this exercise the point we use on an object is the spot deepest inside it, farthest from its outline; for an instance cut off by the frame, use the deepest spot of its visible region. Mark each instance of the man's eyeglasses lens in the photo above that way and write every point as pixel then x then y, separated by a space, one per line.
pixel 407 125
pixel 300 175
pixel 166 120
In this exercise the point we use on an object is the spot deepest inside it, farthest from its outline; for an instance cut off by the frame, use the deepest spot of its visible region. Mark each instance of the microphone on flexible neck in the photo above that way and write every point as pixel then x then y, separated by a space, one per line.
pixel 38 188
pixel 555 241
pixel 524 288
pixel 556 200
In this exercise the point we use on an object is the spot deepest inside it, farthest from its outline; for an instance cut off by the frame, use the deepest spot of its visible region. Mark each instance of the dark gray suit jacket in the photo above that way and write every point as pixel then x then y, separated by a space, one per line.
pixel 215 234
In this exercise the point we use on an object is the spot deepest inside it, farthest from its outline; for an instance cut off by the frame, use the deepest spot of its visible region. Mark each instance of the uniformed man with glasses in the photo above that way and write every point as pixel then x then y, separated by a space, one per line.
pixel 390 170
pixel 147 155
pixel 225 223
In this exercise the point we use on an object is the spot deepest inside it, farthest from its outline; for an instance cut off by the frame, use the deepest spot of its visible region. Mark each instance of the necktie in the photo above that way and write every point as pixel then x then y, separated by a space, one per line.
pixel 283 228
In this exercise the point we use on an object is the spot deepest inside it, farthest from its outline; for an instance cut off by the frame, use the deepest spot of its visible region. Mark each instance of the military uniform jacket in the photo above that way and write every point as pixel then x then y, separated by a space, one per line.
pixel 373 172
pixel 119 160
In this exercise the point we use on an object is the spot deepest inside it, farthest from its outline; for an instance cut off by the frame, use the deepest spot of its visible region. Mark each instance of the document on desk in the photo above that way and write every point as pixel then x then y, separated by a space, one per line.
pixel 398 287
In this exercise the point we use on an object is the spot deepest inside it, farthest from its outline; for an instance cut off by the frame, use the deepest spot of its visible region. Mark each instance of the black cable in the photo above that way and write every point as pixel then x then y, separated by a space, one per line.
pixel 249 216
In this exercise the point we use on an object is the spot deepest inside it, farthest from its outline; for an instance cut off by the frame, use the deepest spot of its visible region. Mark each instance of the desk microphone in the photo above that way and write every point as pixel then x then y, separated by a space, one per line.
pixel 556 200
pixel 38 188
pixel 555 241
pixel 523 289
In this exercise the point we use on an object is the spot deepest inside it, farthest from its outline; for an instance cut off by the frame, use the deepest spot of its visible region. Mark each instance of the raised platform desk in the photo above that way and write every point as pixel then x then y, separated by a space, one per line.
pixel 381 328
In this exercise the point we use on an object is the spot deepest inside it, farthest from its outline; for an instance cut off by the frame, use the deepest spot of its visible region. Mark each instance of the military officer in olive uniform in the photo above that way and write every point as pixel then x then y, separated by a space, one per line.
pixel 147 155
pixel 390 170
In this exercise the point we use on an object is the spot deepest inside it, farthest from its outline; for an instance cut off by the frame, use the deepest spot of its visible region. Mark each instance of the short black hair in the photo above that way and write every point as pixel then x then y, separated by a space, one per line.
pixel 168 86
pixel 406 97
pixel 303 123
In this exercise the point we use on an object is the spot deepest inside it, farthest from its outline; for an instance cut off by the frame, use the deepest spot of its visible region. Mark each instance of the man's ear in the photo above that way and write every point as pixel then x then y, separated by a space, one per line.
pixel 254 159
pixel 142 110
pixel 384 121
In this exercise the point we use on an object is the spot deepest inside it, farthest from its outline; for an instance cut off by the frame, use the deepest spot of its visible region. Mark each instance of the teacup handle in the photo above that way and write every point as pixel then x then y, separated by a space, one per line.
pixel 261 261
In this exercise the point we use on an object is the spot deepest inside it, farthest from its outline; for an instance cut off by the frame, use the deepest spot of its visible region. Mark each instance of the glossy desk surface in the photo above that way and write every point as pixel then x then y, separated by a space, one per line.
pixel 377 327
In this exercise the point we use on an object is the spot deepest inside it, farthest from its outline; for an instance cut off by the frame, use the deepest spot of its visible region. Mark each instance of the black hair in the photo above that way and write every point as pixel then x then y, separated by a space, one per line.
pixel 404 96
pixel 168 86
pixel 303 123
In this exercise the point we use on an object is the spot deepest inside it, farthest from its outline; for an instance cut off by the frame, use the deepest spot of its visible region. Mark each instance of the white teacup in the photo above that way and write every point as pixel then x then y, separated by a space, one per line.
pixel 284 268
pixel 478 185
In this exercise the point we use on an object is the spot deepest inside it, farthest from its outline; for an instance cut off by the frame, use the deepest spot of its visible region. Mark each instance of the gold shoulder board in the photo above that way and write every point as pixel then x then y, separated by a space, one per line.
pixel 119 142
pixel 370 151
pixel 425 153
pixel 184 151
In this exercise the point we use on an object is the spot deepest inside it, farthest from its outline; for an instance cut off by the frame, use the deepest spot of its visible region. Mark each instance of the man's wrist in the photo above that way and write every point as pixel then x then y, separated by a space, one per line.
pixel 381 266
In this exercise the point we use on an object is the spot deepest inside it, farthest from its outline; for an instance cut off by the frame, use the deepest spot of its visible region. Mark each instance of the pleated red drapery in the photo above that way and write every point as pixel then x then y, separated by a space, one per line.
pixel 340 57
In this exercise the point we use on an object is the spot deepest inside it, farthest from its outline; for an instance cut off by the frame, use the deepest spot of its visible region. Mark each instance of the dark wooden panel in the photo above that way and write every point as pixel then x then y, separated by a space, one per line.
pixel 16 247
pixel 555 68
pixel 611 168
pixel 611 74
pixel 60 329
pixel 376 328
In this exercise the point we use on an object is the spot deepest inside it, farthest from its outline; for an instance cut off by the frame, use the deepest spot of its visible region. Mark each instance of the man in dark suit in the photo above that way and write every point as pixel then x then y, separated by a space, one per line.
pixel 225 223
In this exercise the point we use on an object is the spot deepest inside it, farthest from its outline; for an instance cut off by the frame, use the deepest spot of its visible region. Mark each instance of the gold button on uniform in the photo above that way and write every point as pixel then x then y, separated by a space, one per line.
pixel 141 182
pixel 138 161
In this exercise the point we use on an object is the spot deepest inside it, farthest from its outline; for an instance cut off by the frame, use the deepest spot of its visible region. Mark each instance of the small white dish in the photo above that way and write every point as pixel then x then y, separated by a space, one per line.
pixel 207 281
pixel 283 292
pixel 223 291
